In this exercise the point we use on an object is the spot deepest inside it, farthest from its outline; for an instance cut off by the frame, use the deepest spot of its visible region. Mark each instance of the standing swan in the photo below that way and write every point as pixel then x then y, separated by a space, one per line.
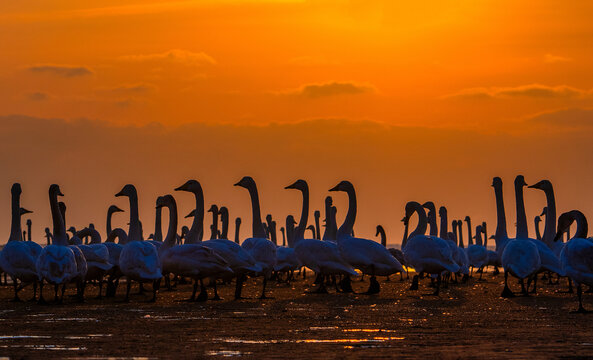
pixel 258 246
pixel 139 260
pixel 367 255
pixel 18 259
pixel 56 263
pixel 196 231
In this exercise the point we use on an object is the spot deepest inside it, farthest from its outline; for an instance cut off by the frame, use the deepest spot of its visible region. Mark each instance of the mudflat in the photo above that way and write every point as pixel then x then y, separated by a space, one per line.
pixel 466 321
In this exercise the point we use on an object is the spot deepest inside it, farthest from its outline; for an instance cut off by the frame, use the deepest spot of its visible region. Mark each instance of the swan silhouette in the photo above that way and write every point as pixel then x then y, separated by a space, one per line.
pixel 139 260
pixel 56 264
pixel 258 246
pixel 366 255
pixel 196 231
pixel 97 257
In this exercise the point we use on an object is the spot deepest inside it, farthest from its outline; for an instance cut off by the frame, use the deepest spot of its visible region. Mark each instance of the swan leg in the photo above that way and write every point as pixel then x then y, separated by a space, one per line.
pixel 304 273
pixel 128 288
pixel 506 292
pixel 581 309
pixel 100 296
pixel 216 297
pixel 263 291
pixel 16 291
pixel 346 284
pixel 523 288
pixel 481 272
pixel 321 288
pixel 41 300
pixel 239 287
pixel 156 284
pixel 374 286
pixel 56 287
pixel 141 289
pixel 81 288
pixel 496 271
pixel 414 285
pixel 534 291
pixel 110 291
pixel 34 291
pixel 203 296
pixel 62 295
pixel 436 292
pixel 401 276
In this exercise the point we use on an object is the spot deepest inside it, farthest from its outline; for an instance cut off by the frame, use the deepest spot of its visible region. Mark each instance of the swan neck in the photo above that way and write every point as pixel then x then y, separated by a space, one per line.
pixel 422 221
pixel 59 234
pixel 195 233
pixel 256 223
pixel 582 226
pixel 158 227
pixel 550 225
pixel 346 229
pixel 299 232
pixel 444 226
pixel 538 234
pixel 460 226
pixel 501 220
pixel 15 226
pixel 522 231
pixel 134 233
pixel 171 238
pixel 237 231
pixel 214 226
pixel 470 240
pixel 108 222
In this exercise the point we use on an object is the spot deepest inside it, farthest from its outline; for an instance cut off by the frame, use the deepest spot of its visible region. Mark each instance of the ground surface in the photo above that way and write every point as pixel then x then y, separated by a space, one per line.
pixel 466 321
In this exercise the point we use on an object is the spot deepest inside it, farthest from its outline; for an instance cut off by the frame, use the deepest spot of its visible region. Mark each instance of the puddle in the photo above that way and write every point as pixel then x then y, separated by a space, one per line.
pixel 226 353
pixel 46 347
pixel 173 318
pixel 368 330
pixel 11 337
pixel 72 319
pixel 88 336
pixel 323 327
pixel 376 339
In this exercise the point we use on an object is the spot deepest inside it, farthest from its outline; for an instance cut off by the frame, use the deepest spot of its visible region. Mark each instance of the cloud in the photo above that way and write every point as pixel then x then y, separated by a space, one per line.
pixel 37 96
pixel 176 56
pixel 66 71
pixel 314 91
pixel 525 91
pixel 138 88
pixel 553 59
pixel 566 118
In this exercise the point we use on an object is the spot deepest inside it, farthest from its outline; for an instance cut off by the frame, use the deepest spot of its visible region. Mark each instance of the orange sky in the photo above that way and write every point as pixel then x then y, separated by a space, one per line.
pixel 487 73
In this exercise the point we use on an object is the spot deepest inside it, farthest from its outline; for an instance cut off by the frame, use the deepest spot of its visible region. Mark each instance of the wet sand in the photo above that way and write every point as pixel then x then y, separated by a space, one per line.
pixel 465 321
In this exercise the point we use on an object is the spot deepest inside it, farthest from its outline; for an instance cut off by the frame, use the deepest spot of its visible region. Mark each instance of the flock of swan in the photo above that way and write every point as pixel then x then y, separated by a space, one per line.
pixel 335 257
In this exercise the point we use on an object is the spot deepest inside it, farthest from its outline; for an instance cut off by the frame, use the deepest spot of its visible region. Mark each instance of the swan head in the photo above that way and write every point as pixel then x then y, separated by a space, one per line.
pixel 411 207
pixel 544 211
pixel 454 223
pixel 269 218
pixel 223 210
pixel 442 211
pixel 72 229
pixel 329 201
pixel 190 186
pixel 343 186
pixel 47 231
pixel 150 237
pixel 184 230
pixel 25 211
pixel 520 181
pixel 92 226
pixel 537 219
pixel 429 205
pixel 246 182
pixel 29 222
pixel 238 220
pixel 298 185
pixel 16 189
pixel 317 214
pixel 213 209
pixel 165 201
pixel 564 222
pixel 114 209
pixel 54 189
pixel 191 214
pixel 467 218
pixel 544 185
pixel 128 190
pixel 497 182
pixel 379 229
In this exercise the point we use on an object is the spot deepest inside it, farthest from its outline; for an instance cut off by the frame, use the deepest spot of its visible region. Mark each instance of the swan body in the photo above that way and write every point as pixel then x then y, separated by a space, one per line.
pixel 286 259
pixel 237 258
pixel 521 259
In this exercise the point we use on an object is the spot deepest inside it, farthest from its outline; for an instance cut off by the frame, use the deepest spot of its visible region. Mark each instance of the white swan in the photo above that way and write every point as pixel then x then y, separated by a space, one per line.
pixel 425 253
pixel 139 260
pixel 459 253
pixel 577 255
pixel 96 255
pixel 286 258
pixel 323 257
pixel 477 253
pixel 396 253
pixel 18 258
pixel 195 261
pixel 56 264
pixel 114 253
pixel 239 260
pixel 258 246
pixel 366 255
pixel 519 258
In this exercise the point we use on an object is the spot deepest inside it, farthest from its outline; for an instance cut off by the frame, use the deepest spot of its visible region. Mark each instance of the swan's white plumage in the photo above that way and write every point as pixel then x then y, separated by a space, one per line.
pixel 477 255
pixel 263 251
pixel 322 257
pixel 139 261
pixel 429 254
pixel 521 258
pixel 577 261
pixel 18 261
pixel 56 264
pixel 239 260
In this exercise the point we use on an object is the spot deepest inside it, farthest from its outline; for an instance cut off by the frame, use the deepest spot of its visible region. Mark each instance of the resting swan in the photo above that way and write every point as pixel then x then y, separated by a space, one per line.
pixel 366 255
pixel 139 260
pixel 56 263
pixel 96 255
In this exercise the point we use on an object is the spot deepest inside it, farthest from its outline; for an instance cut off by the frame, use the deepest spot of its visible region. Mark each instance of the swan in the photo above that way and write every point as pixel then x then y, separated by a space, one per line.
pixel 424 253
pixel 139 260
pixel 258 246
pixel 518 257
pixel 432 218
pixel 287 260
pixel 29 224
pixel 48 236
pixel 96 255
pixel 577 255
pixel 331 227
pixel 459 254
pixel 56 264
pixel 158 227
pixel 316 216
pixel 110 211
pixel 477 253
pixel 537 220
pixel 367 255
pixel 224 222
pixel 239 260
pixel 196 231
pixel 396 253
pixel 323 257
pixel 114 253
pixel 214 227
pixel 195 261
pixel 283 236
pixel 18 258
pixel 271 225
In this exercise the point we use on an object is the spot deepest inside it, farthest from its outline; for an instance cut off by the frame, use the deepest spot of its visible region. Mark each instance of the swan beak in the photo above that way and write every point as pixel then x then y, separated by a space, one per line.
pixel 117 209
pixel 60 193
pixel 335 188
pixel 238 184
pixel 25 211
pixel 191 214
pixel 181 188
pixel 120 194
